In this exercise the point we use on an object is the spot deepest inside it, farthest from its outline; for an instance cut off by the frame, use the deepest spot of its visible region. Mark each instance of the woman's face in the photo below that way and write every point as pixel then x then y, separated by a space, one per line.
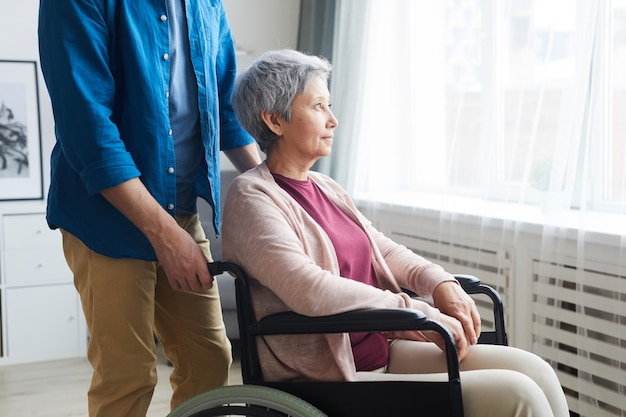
pixel 309 136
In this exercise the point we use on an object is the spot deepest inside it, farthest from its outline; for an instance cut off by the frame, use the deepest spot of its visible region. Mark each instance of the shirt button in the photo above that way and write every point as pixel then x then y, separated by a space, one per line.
pixel 166 56
pixel 170 206
pixel 167 94
pixel 163 18
pixel 170 170
pixel 169 132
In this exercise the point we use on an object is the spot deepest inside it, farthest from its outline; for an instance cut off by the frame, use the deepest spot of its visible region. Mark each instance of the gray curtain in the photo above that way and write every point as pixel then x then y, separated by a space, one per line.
pixel 316 30
pixel 317 23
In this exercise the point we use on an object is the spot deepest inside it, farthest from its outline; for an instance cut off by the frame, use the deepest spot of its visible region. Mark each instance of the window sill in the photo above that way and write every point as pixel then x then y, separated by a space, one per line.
pixel 531 218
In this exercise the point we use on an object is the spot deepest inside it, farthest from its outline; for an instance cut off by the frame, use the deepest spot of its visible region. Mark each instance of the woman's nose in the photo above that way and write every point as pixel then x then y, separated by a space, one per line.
pixel 333 120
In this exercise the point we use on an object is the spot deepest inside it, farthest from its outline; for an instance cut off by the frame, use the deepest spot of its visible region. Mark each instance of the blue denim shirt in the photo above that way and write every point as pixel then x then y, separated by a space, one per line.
pixel 105 63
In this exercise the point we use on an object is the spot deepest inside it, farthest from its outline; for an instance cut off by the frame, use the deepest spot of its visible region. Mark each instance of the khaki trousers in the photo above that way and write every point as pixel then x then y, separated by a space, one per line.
pixel 496 381
pixel 126 302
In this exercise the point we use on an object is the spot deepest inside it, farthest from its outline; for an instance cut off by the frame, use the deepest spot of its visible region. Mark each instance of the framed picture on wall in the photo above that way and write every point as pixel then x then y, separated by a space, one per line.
pixel 20 132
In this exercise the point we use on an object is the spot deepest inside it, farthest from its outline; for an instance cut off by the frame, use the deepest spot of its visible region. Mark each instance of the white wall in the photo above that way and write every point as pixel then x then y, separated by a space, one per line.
pixel 257 25
pixel 260 25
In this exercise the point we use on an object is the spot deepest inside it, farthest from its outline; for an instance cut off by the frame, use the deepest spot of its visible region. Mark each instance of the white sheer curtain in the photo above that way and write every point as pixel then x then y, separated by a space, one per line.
pixel 499 127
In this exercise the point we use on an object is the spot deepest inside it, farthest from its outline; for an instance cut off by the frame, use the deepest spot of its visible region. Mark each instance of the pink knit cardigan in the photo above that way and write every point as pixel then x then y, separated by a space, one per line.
pixel 294 267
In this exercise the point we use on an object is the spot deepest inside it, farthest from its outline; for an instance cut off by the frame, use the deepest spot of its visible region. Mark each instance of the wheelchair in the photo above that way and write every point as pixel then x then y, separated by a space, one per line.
pixel 260 398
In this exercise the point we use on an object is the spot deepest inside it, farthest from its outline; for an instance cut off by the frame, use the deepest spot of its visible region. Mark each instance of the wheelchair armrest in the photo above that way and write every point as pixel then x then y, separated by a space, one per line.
pixel 468 282
pixel 365 320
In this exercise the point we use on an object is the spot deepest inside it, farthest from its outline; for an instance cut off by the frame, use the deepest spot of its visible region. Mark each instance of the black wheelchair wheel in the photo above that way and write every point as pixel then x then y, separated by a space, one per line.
pixel 246 400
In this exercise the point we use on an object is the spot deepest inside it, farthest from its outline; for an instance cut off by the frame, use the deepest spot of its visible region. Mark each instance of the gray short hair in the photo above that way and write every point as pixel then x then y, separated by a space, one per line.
pixel 270 85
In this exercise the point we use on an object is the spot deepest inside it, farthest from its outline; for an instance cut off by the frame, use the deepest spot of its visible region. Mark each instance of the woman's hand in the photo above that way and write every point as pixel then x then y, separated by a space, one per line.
pixel 462 345
pixel 458 313
pixel 450 298
pixel 451 323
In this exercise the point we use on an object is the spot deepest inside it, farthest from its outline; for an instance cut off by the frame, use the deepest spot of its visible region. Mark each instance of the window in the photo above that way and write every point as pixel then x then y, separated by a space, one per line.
pixel 502 100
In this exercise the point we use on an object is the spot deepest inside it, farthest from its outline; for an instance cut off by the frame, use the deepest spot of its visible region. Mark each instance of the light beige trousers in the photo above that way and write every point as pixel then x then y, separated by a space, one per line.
pixel 126 302
pixel 496 381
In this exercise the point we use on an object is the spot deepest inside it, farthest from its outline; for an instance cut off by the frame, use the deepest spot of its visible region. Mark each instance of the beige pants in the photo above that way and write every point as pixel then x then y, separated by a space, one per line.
pixel 126 302
pixel 496 381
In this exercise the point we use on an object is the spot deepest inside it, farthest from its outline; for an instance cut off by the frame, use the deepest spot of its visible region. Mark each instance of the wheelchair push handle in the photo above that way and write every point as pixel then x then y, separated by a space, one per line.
pixel 219 267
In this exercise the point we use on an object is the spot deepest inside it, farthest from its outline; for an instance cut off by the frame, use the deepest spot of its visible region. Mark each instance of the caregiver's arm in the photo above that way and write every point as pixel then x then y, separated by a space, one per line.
pixel 179 255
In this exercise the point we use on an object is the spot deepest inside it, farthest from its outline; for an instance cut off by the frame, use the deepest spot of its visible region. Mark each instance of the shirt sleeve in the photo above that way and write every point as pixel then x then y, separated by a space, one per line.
pixel 75 60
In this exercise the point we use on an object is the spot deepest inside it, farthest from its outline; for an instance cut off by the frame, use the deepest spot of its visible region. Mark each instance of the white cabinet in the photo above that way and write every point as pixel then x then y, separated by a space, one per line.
pixel 42 323
pixel 32 252
pixel 41 316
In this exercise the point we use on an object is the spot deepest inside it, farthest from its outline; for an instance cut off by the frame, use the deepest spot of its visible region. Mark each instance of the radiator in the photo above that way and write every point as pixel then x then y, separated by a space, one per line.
pixel 587 343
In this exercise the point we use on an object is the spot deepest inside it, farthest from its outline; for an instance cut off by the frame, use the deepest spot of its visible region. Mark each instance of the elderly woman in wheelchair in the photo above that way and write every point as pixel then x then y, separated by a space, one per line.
pixel 308 249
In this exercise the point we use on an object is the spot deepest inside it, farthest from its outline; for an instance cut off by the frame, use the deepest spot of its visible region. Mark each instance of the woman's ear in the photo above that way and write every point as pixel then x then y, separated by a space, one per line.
pixel 273 122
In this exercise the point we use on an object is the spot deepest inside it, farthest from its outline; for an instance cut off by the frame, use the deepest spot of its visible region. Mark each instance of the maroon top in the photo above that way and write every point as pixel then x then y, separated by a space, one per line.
pixel 354 255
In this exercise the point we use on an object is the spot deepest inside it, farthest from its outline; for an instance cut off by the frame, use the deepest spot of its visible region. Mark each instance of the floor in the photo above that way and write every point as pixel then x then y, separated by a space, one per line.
pixel 58 388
